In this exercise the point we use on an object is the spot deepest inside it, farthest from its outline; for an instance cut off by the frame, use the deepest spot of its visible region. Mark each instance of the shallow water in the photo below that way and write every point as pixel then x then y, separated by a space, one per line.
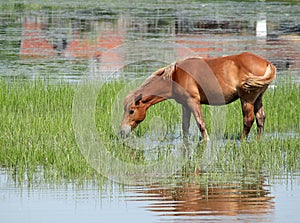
pixel 74 41
pixel 259 200
pixel 67 41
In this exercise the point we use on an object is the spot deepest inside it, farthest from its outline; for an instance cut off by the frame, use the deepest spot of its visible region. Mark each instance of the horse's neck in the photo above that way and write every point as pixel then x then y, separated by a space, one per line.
pixel 154 99
pixel 159 90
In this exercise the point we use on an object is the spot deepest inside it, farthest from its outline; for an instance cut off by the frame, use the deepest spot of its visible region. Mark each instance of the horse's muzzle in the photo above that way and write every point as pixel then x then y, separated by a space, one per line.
pixel 125 130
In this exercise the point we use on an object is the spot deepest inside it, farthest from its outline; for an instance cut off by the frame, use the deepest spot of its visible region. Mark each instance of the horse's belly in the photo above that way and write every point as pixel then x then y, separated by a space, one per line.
pixel 232 98
pixel 218 97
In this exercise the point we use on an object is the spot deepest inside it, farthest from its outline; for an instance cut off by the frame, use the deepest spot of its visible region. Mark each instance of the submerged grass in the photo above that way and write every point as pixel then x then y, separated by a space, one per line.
pixel 36 131
pixel 37 139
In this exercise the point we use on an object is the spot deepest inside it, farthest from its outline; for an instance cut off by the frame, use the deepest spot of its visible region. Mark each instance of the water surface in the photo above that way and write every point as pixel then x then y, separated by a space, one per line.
pixel 261 200
pixel 69 40
pixel 62 40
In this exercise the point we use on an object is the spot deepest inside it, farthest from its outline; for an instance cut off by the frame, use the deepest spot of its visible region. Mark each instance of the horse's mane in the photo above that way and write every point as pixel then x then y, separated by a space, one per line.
pixel 164 72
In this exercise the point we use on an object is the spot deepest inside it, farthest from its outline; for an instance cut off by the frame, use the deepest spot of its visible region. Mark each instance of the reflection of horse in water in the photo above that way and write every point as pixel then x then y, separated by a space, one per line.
pixel 191 199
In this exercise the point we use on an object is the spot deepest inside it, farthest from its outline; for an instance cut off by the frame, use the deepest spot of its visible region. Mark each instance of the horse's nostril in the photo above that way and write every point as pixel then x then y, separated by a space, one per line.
pixel 122 134
pixel 125 131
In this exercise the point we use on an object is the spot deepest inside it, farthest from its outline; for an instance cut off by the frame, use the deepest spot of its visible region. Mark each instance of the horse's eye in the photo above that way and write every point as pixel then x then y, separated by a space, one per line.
pixel 131 112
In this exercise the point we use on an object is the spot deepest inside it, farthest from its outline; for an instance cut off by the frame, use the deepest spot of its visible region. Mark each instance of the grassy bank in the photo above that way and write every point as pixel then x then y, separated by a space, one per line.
pixel 37 138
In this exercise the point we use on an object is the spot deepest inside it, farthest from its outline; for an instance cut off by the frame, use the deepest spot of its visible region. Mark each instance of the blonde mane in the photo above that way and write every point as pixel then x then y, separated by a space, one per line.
pixel 164 72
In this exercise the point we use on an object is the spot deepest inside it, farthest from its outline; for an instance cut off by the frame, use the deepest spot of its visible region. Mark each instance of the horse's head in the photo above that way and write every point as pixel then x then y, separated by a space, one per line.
pixel 134 113
pixel 156 88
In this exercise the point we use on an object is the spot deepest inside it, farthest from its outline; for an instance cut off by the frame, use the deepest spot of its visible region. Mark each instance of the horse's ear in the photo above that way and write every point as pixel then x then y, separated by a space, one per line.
pixel 138 99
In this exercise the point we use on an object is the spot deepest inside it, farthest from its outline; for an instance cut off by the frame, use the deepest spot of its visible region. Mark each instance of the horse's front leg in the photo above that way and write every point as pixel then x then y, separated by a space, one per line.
pixel 197 112
pixel 248 115
pixel 186 117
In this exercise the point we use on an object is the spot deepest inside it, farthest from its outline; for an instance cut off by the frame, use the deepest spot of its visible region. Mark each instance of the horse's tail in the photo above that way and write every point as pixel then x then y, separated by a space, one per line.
pixel 254 82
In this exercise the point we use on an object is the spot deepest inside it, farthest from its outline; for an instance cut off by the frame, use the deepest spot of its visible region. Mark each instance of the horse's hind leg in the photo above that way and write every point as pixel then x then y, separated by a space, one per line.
pixel 186 117
pixel 260 115
pixel 197 112
pixel 248 114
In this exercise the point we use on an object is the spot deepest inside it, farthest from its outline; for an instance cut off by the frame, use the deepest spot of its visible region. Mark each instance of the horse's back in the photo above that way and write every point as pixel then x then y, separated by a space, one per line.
pixel 252 63
pixel 241 66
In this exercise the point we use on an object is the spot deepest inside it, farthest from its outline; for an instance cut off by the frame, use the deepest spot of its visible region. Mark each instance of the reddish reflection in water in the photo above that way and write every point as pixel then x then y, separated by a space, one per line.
pixel 34 39
pixel 39 42
pixel 91 38
pixel 199 44
pixel 193 199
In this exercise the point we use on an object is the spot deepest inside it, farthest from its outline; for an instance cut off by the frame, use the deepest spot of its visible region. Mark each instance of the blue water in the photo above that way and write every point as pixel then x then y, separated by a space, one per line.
pixel 69 203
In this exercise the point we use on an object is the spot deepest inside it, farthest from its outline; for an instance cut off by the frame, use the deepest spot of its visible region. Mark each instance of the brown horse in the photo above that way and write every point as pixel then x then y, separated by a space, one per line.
pixel 195 81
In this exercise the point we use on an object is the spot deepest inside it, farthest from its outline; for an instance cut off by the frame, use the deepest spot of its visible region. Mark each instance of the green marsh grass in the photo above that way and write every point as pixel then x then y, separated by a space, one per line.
pixel 37 139
pixel 36 130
